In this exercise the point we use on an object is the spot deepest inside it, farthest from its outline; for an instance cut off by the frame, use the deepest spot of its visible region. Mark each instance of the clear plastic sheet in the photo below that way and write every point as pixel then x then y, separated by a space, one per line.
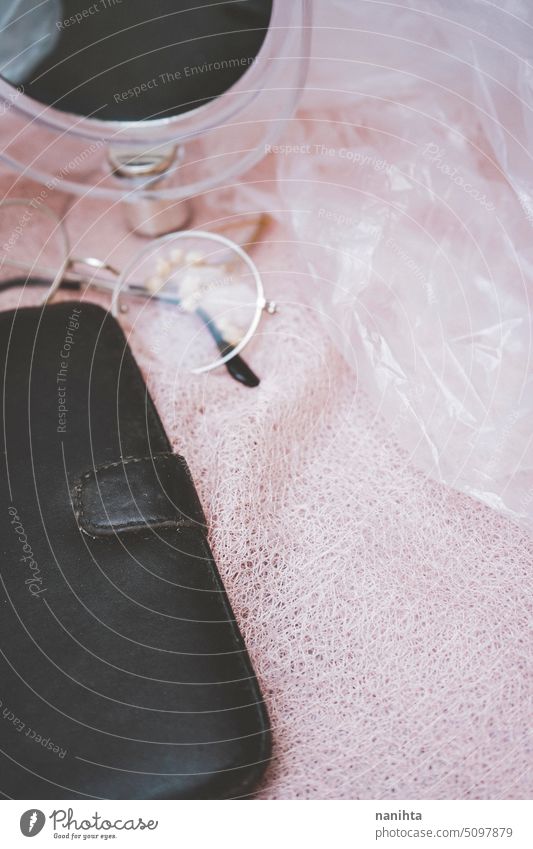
pixel 410 186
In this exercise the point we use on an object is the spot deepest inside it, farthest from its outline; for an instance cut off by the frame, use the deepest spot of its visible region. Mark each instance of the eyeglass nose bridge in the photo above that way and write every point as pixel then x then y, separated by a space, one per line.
pixel 270 307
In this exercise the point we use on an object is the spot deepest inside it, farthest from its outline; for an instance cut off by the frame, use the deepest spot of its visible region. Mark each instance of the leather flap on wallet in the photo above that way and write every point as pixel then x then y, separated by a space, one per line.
pixel 136 493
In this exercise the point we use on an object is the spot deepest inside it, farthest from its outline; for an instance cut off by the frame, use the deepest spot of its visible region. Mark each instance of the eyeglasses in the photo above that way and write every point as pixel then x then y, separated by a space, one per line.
pixel 196 298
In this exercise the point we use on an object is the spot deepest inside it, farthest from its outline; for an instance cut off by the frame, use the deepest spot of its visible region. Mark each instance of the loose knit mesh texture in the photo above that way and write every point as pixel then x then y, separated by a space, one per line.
pixel 385 615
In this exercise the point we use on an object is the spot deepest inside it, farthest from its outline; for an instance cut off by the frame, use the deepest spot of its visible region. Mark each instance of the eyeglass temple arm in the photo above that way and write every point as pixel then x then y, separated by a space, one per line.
pixel 238 369
pixel 236 366
pixel 16 282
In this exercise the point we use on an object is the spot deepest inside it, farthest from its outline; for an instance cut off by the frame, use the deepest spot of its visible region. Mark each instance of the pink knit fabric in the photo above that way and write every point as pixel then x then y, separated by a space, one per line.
pixel 386 616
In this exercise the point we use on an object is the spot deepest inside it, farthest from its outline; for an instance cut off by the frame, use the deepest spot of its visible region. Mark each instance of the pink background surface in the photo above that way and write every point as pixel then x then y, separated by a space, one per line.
pixel 386 615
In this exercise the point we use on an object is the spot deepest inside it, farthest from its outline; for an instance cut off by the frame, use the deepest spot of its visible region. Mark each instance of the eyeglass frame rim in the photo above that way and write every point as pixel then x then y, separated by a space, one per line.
pixel 96 263
pixel 228 243
pixel 60 227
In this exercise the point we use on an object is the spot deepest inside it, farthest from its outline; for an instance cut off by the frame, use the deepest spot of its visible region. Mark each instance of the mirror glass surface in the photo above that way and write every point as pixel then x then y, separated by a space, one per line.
pixel 129 60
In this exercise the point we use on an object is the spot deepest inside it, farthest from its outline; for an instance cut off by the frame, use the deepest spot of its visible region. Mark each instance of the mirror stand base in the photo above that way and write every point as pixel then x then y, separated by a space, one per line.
pixel 152 217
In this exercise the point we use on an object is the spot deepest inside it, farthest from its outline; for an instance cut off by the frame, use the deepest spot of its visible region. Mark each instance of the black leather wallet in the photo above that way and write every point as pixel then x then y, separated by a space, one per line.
pixel 123 674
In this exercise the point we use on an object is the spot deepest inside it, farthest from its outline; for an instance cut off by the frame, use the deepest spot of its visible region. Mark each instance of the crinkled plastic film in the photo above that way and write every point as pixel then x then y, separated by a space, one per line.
pixel 409 183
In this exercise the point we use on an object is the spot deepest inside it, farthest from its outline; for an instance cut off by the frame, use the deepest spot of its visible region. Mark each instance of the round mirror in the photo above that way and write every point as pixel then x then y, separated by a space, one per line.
pixel 151 102
pixel 129 60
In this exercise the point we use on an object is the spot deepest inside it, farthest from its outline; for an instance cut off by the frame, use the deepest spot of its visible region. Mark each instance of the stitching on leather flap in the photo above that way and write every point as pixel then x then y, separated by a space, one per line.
pixel 101 523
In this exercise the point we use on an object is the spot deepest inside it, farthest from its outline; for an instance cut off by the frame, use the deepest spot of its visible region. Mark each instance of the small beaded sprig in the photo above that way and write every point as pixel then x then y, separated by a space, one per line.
pixel 197 278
